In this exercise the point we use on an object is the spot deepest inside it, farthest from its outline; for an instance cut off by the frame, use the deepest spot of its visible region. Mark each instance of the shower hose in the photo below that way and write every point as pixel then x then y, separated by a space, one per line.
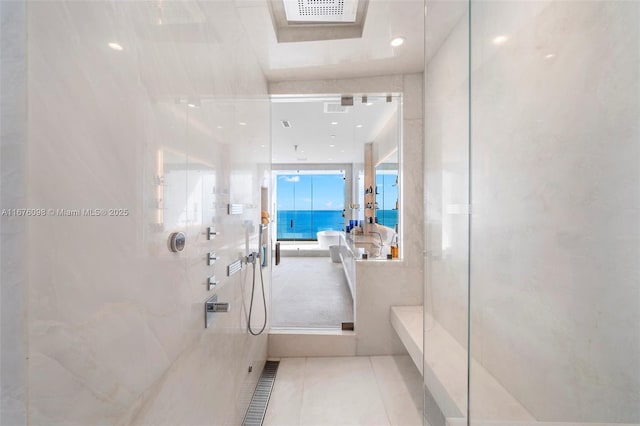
pixel 264 299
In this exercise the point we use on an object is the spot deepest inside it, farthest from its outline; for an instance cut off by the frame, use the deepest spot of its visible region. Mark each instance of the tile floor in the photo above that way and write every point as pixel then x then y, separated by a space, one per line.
pixel 367 391
pixel 310 292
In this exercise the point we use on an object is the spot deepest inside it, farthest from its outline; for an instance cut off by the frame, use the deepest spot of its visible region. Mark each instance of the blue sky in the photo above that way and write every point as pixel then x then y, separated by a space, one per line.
pixel 310 192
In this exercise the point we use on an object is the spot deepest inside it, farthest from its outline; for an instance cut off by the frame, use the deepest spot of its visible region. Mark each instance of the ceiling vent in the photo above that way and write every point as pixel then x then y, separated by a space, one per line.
pixel 330 11
pixel 335 108
pixel 285 124
pixel 296 21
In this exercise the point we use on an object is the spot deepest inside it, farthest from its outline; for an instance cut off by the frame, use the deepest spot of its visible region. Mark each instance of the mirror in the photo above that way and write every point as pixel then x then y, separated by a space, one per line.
pixel 359 134
pixel 387 191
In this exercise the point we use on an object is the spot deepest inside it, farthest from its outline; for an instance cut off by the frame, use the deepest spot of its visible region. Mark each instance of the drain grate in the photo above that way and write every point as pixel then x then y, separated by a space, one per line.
pixel 260 400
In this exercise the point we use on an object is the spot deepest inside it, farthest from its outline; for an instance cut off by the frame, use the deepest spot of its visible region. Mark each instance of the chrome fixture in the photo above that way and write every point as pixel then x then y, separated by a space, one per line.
pixel 177 241
pixel 211 307
pixel 234 267
pixel 212 258
pixel 211 233
pixel 346 101
pixel 211 283
pixel 235 208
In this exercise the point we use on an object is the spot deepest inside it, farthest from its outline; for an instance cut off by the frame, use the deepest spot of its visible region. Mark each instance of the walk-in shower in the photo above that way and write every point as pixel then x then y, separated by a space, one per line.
pixel 532 183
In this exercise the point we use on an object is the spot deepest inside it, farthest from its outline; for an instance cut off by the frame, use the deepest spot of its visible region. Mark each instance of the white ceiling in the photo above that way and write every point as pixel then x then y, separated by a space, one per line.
pixel 312 131
pixel 348 58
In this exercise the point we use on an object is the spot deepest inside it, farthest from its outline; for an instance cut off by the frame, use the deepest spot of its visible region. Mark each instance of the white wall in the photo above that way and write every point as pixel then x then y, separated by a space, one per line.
pixel 381 285
pixel 13 145
pixel 446 189
pixel 386 142
pixel 555 230
pixel 116 321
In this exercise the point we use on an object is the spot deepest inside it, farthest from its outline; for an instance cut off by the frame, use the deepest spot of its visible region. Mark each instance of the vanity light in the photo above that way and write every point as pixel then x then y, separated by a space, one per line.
pixel 115 46
pixel 398 41
pixel 335 123
pixel 501 39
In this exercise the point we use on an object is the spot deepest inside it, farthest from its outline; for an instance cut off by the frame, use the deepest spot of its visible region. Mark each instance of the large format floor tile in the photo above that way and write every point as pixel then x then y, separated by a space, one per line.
pixel 310 292
pixel 367 391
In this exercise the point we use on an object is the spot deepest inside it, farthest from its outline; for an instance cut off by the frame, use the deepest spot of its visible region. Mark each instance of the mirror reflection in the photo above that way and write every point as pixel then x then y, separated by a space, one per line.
pixel 325 182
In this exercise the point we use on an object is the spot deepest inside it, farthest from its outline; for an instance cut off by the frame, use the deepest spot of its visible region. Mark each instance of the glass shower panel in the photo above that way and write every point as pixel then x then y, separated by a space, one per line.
pixel 446 183
pixel 555 230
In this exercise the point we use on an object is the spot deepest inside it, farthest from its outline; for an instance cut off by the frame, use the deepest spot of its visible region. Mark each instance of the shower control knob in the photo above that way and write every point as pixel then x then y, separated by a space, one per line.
pixel 177 241
pixel 211 283
pixel 211 233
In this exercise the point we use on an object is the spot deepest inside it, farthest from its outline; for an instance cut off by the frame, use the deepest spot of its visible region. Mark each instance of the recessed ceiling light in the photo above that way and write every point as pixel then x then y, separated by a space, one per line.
pixel 331 146
pixel 398 41
pixel 218 127
pixel 262 146
pixel 369 103
pixel 335 123
pixel 115 46
pixel 191 105
pixel 359 126
pixel 501 39
pixel 342 150
pixel 242 123
pixel 550 55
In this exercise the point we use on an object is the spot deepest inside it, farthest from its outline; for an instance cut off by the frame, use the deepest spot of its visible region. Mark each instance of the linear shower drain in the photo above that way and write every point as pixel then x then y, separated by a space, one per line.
pixel 260 399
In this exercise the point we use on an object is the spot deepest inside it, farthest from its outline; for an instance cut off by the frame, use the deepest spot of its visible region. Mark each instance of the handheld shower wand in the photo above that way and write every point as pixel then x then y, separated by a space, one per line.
pixel 254 258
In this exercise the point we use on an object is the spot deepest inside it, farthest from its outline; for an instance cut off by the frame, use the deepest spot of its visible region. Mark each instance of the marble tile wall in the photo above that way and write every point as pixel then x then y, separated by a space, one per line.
pixel 382 285
pixel 555 228
pixel 116 325
pixel 446 188
pixel 13 145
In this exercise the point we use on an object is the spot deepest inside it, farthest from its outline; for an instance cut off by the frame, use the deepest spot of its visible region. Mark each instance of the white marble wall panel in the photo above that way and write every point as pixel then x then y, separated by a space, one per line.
pixel 116 326
pixel 13 145
pixel 556 232
pixel 446 189
pixel 556 201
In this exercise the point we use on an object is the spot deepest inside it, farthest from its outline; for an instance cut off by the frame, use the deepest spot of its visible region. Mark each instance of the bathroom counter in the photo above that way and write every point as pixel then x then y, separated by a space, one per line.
pixel 349 241
pixel 445 370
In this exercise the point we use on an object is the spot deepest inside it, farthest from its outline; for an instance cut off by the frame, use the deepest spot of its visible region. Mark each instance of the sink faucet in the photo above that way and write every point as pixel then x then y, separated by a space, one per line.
pixel 379 236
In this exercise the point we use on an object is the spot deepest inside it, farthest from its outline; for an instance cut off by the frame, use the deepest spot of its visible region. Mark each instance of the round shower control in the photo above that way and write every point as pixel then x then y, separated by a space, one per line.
pixel 177 241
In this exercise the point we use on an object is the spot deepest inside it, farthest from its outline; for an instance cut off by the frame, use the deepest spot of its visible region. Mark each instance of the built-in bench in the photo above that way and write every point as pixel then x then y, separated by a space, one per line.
pixel 445 370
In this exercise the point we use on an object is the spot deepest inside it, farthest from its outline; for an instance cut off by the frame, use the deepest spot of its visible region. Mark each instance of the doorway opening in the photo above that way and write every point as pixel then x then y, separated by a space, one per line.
pixel 311 289
pixel 320 189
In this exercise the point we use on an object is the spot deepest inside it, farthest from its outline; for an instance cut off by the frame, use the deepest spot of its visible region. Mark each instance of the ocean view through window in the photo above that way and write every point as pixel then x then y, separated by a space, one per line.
pixel 308 203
